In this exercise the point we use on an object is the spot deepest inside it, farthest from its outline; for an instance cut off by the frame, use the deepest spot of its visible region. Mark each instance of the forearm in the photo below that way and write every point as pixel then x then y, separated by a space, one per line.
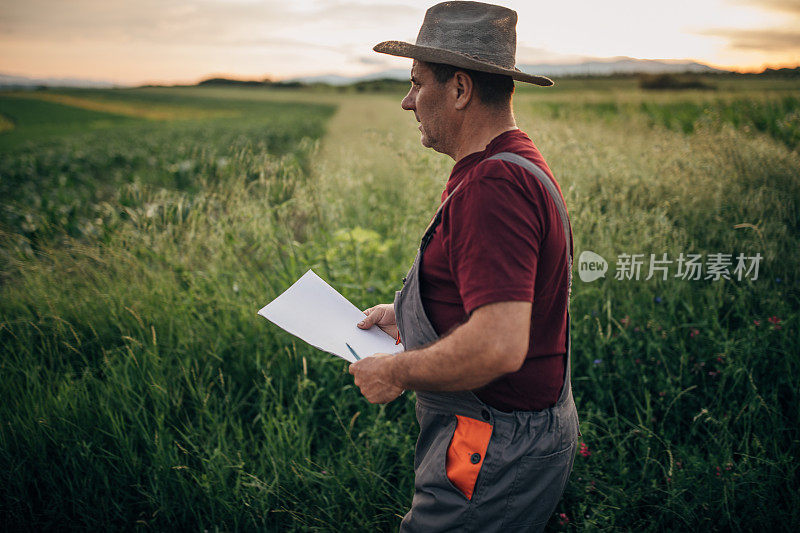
pixel 447 365
pixel 469 357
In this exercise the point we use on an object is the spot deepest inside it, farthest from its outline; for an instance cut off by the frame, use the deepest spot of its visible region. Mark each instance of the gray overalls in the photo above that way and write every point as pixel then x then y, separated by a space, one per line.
pixel 510 469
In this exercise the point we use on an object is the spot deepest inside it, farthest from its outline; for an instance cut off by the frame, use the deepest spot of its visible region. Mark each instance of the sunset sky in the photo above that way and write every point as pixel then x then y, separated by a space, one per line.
pixel 131 42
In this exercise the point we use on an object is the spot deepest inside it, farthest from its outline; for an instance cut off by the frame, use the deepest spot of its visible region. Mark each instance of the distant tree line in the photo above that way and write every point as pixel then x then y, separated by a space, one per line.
pixel 672 81
pixel 266 82
pixel 664 81
pixel 377 85
pixel 689 80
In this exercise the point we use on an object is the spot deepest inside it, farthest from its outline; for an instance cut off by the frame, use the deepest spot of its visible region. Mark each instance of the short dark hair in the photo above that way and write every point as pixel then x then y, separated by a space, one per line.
pixel 493 89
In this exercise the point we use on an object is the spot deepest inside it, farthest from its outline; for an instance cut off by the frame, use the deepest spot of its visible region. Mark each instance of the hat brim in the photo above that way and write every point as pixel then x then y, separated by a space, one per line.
pixel 448 57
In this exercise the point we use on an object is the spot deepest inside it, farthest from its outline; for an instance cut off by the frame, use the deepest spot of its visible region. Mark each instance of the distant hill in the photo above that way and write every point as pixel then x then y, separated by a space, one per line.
pixel 782 72
pixel 239 83
pixel 232 82
pixel 335 79
pixel 620 65
pixel 598 67
pixel 595 67
pixel 24 82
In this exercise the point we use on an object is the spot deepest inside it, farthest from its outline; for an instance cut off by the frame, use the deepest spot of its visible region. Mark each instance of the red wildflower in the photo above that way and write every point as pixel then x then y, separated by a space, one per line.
pixel 757 322
pixel 774 320
pixel 563 519
pixel 694 333
pixel 625 321
pixel 584 450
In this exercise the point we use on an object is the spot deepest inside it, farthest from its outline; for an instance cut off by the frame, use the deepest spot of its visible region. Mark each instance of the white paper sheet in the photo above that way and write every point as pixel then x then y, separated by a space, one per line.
pixel 313 310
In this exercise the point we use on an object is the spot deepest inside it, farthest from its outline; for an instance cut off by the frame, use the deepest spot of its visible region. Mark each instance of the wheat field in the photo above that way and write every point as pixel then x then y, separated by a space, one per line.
pixel 142 229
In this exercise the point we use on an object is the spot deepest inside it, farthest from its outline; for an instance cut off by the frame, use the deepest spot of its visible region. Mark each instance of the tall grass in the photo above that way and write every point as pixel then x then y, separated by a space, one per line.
pixel 141 390
pixel 778 117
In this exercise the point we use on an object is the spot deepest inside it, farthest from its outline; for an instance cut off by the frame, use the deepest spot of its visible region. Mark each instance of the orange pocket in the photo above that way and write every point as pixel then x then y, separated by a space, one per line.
pixel 466 452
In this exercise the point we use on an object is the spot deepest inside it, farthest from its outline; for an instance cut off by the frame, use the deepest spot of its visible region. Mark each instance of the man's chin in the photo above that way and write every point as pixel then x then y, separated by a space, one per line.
pixel 428 143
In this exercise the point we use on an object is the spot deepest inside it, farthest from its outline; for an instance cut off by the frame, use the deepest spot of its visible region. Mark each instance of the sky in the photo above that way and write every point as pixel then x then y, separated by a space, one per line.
pixel 179 41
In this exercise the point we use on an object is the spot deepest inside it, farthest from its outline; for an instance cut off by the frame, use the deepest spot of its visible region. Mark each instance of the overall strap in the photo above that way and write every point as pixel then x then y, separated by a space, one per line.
pixel 548 183
pixel 428 235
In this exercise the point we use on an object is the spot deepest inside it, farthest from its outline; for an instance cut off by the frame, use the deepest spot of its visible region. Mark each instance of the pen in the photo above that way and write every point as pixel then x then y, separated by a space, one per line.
pixel 352 351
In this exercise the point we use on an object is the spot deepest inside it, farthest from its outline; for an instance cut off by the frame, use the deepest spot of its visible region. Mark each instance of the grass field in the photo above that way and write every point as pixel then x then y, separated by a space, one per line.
pixel 141 230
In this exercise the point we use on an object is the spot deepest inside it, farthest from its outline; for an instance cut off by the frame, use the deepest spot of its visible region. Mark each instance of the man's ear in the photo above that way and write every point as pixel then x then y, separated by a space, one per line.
pixel 463 87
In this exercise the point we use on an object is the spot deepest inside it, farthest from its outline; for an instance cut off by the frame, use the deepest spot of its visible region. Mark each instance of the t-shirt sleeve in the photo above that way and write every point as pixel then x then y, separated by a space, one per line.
pixel 492 233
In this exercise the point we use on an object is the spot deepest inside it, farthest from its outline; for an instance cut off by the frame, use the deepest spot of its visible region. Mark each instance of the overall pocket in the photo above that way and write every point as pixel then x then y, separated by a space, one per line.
pixel 466 452
pixel 539 482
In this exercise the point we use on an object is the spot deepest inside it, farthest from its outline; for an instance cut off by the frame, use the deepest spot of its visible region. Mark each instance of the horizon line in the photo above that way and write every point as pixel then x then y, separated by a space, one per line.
pixel 267 77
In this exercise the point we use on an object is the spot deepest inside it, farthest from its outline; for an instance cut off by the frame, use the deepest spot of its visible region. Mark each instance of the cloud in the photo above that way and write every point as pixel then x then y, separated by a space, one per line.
pixel 268 42
pixel 769 40
pixel 785 6
pixel 183 22
pixel 533 55
pixel 366 13
pixel 369 60
pixel 783 38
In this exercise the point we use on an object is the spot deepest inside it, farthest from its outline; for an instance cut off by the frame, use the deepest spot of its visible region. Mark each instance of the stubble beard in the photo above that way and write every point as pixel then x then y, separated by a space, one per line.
pixel 429 141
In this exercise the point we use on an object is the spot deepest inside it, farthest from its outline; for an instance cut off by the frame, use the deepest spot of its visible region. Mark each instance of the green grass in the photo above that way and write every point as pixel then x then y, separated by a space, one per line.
pixel 36 119
pixel 67 175
pixel 777 117
pixel 141 391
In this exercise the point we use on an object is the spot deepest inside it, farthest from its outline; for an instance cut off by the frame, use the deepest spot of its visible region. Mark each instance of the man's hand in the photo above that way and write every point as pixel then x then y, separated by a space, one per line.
pixel 382 315
pixel 373 377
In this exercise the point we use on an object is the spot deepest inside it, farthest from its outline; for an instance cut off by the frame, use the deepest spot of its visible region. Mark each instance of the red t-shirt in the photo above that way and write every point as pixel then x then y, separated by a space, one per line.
pixel 501 239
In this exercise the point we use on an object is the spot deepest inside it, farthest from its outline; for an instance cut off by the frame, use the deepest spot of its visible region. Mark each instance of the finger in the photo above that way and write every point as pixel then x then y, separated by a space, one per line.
pixel 351 369
pixel 370 320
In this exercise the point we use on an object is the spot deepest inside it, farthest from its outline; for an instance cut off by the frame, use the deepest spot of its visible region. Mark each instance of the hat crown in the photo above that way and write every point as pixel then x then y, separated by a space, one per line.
pixel 469 35
pixel 483 31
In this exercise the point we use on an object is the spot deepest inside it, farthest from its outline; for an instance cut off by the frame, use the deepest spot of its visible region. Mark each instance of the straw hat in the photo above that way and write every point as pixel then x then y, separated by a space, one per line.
pixel 468 35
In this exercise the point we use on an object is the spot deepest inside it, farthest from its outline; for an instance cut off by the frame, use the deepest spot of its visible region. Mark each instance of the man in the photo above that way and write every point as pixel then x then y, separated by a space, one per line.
pixel 483 312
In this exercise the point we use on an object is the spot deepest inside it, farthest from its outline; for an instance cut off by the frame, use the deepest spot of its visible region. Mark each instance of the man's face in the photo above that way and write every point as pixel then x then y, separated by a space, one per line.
pixel 427 99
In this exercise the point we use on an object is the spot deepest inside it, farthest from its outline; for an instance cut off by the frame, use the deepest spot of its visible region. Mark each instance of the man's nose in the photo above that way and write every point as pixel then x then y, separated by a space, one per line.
pixel 408 102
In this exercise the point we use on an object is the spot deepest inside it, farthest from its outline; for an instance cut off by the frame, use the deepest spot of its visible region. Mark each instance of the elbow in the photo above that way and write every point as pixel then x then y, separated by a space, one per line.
pixel 510 356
